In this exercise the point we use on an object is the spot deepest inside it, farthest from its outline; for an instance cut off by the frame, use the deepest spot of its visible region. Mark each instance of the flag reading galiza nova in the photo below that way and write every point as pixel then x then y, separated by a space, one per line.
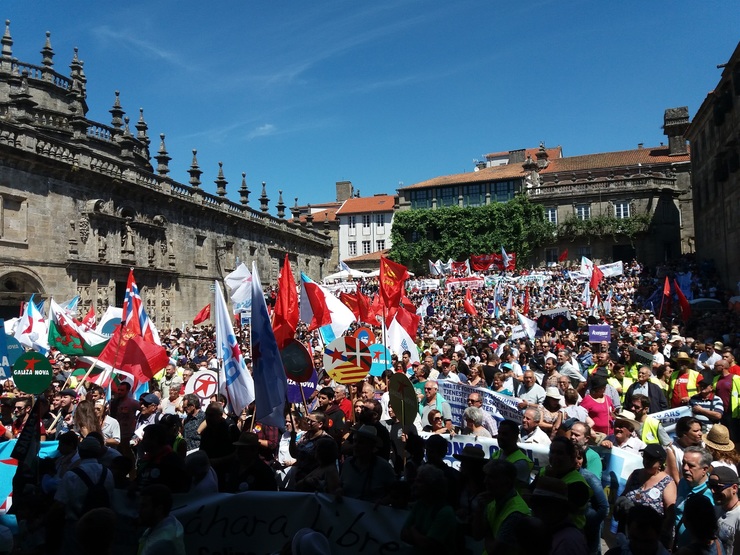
pixel 235 381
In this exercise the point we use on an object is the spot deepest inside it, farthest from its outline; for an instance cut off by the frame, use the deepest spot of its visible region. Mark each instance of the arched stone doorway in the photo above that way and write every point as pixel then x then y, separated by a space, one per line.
pixel 16 286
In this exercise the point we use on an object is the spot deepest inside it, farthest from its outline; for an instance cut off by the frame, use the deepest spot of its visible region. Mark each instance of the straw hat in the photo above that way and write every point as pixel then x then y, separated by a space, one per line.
pixel 553 393
pixel 719 438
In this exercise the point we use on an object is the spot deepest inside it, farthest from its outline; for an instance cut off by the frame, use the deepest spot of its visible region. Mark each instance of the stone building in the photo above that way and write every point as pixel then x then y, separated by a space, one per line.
pixel 608 206
pixel 80 204
pixel 715 160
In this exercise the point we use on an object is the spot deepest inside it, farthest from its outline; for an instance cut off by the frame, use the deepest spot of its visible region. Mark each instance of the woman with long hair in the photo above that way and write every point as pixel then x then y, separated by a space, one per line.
pixel 475 377
pixel 85 419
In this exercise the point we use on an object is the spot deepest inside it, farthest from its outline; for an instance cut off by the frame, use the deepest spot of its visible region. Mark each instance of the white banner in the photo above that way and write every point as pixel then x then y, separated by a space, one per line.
pixel 263 522
pixel 613 269
pixel 459 283
pixel 618 463
pixel 422 284
pixel 499 406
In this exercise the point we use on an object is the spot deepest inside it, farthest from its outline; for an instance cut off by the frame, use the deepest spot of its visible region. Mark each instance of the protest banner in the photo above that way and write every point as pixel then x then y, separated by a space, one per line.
pixel 308 387
pixel 464 283
pixel 613 269
pixel 600 332
pixel 669 417
pixel 501 407
pixel 618 463
pixel 261 523
pixel 422 284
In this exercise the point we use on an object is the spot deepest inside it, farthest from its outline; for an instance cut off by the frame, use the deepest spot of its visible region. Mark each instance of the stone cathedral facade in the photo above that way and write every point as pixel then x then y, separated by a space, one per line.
pixel 82 202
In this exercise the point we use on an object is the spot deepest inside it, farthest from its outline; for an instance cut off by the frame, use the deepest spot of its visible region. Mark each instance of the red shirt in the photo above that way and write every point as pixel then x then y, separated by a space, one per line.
pixel 735 369
pixel 346 406
pixel 680 390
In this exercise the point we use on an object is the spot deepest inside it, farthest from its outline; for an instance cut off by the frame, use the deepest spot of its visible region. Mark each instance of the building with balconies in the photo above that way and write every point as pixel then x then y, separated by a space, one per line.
pixel 715 162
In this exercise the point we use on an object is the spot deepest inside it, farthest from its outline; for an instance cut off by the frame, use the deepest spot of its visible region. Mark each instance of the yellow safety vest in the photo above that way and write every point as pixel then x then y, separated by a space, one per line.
pixel 578 514
pixel 625 385
pixel 631 370
pixel 649 432
pixel 496 518
pixel 690 387
pixel 734 395
pixel 517 455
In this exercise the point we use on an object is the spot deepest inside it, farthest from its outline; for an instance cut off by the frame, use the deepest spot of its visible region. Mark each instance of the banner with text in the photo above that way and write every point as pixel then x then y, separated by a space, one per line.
pixel 501 407
pixel 263 522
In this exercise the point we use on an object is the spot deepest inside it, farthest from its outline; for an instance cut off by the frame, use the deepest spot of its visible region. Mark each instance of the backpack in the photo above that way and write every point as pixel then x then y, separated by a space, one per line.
pixel 97 496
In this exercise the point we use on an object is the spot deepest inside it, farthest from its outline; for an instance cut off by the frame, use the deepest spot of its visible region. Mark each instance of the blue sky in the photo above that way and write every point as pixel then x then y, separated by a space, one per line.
pixel 303 94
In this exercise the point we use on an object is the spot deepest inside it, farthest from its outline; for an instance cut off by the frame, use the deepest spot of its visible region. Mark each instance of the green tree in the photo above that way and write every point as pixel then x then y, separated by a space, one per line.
pixel 453 232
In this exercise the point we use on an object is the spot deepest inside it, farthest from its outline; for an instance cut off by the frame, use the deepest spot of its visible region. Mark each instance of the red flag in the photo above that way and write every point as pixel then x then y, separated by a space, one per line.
pixel 468 304
pixel 365 313
pixel 203 315
pixel 408 321
pixel 596 276
pixel 525 309
pixel 683 302
pixel 406 303
pixel 376 309
pixel 89 320
pixel 563 256
pixel 667 288
pixel 285 320
pixel 392 278
pixel 350 301
pixel 130 352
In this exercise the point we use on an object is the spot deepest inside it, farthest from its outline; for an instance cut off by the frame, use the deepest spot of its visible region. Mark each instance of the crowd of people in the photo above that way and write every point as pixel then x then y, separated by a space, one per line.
pixel 578 398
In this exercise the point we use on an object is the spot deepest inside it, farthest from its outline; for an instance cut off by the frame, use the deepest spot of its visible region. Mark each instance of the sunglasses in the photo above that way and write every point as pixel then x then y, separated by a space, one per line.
pixel 437 419
pixel 718 486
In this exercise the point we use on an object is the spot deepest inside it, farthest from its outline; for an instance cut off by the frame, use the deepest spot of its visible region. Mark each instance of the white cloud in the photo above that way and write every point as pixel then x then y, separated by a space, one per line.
pixel 263 131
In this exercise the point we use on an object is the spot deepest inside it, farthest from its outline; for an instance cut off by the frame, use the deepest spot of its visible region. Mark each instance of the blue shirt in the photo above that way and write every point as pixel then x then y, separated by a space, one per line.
pixel 683 537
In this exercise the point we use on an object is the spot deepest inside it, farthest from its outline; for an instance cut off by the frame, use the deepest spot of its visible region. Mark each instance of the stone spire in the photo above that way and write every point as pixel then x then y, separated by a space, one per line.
pixel 244 190
pixel 309 216
pixel 221 181
pixel 296 211
pixel 141 130
pixel 264 199
pixel 21 99
pixel 47 56
pixel 195 171
pixel 542 157
pixel 163 159
pixel 117 113
pixel 280 205
pixel 7 43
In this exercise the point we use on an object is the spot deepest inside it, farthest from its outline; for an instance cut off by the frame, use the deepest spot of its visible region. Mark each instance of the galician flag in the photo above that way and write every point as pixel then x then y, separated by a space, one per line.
pixel 234 379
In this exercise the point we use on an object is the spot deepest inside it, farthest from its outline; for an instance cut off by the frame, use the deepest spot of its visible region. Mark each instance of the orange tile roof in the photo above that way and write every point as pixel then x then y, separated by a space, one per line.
pixel 495 173
pixel 646 156
pixel 367 257
pixel 320 216
pixel 556 152
pixel 363 205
